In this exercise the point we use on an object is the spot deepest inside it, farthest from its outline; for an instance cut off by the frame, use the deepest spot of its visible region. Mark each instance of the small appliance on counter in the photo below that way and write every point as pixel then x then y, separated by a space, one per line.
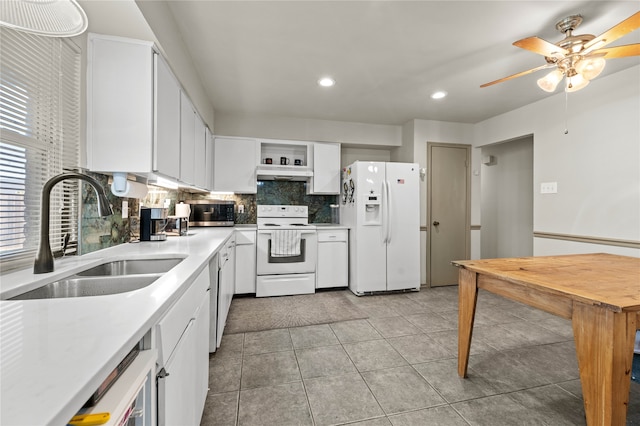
pixel 211 212
pixel 153 221
pixel 178 226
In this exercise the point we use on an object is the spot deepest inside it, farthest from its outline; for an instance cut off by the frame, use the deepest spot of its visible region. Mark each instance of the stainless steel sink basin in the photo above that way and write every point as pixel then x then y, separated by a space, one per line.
pixel 76 286
pixel 132 267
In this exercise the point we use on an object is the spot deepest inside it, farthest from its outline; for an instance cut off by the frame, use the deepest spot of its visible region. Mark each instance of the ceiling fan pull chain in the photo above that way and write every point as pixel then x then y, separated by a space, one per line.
pixel 566 112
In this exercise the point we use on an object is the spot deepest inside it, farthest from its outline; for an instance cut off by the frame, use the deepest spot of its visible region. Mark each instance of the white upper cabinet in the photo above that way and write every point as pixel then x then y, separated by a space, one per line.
pixel 200 159
pixel 326 169
pixel 120 110
pixel 234 165
pixel 139 120
pixel 167 121
pixel 209 152
pixel 187 140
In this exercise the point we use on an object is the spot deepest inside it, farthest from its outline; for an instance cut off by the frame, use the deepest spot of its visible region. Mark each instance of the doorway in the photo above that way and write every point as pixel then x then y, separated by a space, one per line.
pixel 507 199
pixel 448 211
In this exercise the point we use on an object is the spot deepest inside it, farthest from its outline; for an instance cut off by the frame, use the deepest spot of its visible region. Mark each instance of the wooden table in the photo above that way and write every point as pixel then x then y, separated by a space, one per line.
pixel 599 293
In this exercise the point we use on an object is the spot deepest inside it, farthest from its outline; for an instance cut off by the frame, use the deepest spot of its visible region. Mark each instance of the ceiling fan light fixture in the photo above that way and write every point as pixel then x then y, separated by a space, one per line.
pixel 590 68
pixel 575 83
pixel 51 18
pixel 549 82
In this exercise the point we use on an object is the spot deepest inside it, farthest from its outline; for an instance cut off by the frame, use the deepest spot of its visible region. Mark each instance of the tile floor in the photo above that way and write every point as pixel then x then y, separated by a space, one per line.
pixel 398 367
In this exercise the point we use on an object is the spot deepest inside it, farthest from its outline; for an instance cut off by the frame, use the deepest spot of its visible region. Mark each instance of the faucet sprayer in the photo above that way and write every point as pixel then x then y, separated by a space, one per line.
pixel 44 258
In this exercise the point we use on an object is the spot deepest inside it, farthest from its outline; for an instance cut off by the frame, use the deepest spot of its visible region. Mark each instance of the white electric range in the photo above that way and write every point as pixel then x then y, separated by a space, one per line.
pixel 287 249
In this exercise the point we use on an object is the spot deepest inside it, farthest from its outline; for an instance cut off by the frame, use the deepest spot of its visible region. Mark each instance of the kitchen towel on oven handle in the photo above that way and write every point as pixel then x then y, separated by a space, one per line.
pixel 285 243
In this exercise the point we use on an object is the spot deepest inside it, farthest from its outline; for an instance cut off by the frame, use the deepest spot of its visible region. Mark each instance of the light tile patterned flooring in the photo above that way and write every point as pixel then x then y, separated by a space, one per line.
pixel 398 367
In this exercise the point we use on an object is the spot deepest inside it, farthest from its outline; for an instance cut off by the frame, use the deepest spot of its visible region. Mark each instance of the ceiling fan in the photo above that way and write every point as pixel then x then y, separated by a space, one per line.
pixel 579 58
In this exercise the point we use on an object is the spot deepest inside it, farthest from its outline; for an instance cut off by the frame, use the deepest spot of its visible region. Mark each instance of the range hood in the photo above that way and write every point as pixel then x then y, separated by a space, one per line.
pixel 286 173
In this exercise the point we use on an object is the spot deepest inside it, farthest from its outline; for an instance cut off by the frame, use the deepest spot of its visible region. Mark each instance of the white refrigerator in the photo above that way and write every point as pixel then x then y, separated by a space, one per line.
pixel 380 202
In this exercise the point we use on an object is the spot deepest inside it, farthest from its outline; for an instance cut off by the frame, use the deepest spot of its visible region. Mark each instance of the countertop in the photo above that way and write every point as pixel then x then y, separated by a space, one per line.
pixel 54 353
pixel 328 226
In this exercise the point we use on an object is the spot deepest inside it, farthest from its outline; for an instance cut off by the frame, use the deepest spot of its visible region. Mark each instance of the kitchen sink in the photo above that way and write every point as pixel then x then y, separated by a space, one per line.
pixel 76 286
pixel 132 267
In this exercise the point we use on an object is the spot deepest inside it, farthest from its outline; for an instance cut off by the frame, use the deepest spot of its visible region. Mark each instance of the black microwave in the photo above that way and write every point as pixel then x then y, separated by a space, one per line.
pixel 211 212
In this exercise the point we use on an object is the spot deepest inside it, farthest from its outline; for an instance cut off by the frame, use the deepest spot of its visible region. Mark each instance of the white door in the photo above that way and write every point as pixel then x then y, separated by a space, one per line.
pixel 449 214
pixel 402 206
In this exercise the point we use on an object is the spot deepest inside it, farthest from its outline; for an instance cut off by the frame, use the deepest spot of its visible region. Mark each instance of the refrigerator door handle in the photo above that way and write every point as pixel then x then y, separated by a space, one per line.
pixel 389 221
pixel 383 208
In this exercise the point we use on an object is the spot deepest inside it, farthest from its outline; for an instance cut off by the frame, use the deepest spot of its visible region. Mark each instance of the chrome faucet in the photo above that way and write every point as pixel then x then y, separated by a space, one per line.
pixel 44 258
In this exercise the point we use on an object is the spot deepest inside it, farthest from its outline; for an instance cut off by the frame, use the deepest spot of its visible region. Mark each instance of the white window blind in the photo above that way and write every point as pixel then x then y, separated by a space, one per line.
pixel 39 138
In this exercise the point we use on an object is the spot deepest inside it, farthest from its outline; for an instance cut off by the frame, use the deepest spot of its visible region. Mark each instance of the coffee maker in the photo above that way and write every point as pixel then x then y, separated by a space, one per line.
pixel 153 221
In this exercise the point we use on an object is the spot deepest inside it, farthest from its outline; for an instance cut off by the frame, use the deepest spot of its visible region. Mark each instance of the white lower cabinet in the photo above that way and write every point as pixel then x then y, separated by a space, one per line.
pixel 333 258
pixel 245 261
pixel 226 283
pixel 183 356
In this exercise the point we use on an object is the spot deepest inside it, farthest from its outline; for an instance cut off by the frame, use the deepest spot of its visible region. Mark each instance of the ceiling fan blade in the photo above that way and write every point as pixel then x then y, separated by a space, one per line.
pixel 618 51
pixel 542 47
pixel 520 74
pixel 614 33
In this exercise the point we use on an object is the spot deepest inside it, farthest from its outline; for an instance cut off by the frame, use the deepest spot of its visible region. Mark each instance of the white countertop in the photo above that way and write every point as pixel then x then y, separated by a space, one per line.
pixel 54 353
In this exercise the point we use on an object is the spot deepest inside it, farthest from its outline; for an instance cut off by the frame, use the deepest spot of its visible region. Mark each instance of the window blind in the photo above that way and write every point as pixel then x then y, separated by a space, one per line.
pixel 39 138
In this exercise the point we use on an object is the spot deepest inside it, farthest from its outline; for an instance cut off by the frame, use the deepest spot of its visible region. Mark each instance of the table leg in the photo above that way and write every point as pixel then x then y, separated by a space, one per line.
pixel 467 297
pixel 604 345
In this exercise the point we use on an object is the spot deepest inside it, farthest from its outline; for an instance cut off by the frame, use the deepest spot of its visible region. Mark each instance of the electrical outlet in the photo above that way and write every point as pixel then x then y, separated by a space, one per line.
pixel 549 188
pixel 241 208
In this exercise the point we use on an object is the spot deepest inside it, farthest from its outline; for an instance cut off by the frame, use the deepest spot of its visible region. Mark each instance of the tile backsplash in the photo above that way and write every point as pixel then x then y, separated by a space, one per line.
pixel 294 193
pixel 98 233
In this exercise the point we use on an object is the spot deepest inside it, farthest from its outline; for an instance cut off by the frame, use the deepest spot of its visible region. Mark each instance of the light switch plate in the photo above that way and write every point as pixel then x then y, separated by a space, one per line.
pixel 549 188
pixel 125 209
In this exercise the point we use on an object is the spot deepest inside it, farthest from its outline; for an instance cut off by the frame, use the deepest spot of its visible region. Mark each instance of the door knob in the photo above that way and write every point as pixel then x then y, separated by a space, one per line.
pixel 436 223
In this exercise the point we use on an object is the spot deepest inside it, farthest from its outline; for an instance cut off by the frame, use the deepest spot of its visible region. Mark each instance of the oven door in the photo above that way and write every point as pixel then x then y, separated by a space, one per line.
pixel 303 264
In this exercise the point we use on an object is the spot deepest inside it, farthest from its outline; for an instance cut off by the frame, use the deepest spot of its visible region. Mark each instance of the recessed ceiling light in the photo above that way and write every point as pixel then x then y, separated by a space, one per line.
pixel 326 82
pixel 439 94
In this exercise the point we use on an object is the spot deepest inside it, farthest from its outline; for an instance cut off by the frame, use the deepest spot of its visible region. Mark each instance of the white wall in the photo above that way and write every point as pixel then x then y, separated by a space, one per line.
pixel 596 165
pixel 350 154
pixel 276 127
pixel 507 199
pixel 416 135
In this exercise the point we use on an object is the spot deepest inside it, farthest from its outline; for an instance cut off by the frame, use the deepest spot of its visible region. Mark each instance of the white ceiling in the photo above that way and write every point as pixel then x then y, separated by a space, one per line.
pixel 264 57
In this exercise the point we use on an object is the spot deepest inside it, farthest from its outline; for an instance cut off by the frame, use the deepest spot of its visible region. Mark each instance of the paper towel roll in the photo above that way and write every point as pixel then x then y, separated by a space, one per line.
pixel 121 187
pixel 183 210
